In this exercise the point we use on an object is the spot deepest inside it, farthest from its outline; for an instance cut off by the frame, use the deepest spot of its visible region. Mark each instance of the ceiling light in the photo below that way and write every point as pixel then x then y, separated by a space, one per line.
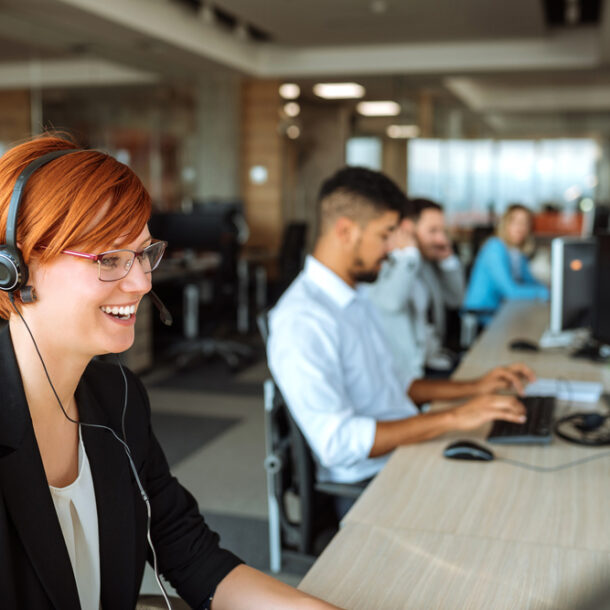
pixel 293 132
pixel 292 109
pixel 337 91
pixel 378 7
pixel 290 91
pixel 402 131
pixel 385 108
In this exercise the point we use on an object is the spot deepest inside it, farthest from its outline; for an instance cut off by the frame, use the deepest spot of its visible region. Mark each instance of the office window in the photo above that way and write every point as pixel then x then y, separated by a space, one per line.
pixel 364 152
pixel 470 177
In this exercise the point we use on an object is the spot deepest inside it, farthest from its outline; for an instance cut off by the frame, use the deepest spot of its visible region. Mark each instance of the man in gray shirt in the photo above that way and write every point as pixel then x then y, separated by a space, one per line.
pixel 420 280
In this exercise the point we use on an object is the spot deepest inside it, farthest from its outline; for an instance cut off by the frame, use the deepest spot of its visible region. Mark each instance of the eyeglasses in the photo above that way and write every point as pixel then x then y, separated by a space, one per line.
pixel 115 264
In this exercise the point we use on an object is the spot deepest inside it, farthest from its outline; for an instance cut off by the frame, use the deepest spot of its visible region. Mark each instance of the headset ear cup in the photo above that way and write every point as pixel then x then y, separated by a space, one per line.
pixel 13 270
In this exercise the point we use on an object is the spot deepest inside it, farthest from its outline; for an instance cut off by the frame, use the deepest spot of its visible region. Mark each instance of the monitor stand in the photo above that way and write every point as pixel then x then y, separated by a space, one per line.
pixel 565 338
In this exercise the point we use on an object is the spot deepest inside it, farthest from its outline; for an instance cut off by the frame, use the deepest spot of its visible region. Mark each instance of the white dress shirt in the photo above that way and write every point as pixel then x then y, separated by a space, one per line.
pixel 332 363
pixel 77 513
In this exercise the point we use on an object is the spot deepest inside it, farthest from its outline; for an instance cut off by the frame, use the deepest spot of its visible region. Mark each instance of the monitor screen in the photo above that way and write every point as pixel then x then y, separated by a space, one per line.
pixel 600 329
pixel 208 227
pixel 572 282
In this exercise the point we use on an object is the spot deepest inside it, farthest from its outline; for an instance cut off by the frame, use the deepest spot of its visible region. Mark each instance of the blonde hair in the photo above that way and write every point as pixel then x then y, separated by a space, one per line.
pixel 527 247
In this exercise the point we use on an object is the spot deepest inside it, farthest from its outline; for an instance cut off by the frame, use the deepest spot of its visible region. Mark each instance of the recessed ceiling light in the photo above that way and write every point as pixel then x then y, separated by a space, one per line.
pixel 378 7
pixel 293 131
pixel 385 108
pixel 290 91
pixel 402 131
pixel 292 109
pixel 337 91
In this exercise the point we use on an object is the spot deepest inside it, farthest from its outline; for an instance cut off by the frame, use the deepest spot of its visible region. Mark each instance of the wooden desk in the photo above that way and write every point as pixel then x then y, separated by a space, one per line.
pixel 435 533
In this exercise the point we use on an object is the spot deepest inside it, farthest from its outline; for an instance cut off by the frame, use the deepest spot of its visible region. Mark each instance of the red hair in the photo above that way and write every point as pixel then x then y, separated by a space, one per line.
pixel 63 198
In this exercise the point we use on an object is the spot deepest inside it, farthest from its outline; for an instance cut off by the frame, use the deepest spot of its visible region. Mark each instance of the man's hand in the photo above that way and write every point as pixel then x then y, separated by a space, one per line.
pixel 483 409
pixel 403 236
pixel 443 249
pixel 515 376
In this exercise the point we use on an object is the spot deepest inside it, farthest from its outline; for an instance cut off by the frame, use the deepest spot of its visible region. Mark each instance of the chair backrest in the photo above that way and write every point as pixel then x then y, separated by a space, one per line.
pixel 296 470
pixel 296 475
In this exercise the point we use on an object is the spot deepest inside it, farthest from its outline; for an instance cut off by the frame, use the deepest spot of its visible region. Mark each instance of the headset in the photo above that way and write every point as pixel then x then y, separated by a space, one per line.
pixel 13 270
pixel 14 276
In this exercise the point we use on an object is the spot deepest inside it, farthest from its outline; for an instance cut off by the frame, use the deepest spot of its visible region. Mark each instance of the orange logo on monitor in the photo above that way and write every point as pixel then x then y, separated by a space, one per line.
pixel 576 264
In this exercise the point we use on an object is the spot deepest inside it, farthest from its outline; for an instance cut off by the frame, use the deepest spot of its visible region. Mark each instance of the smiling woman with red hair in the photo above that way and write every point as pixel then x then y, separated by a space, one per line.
pixel 83 481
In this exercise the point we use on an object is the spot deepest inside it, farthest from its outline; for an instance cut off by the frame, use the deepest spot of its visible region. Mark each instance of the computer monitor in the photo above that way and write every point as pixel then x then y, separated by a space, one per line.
pixel 209 227
pixel 572 283
pixel 600 327
pixel 596 221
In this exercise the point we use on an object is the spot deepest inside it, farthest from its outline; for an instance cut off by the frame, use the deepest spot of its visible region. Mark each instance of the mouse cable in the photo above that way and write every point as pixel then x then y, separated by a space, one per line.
pixel 120 440
pixel 527 466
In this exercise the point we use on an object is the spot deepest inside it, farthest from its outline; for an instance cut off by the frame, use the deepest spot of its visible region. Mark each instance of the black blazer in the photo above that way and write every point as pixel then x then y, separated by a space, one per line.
pixel 35 569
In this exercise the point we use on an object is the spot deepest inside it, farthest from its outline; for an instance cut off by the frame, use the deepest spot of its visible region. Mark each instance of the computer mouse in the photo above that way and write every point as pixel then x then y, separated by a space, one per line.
pixel 468 450
pixel 523 345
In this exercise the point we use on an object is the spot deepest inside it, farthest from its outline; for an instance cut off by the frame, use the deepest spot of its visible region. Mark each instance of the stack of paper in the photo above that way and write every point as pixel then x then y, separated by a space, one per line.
pixel 566 389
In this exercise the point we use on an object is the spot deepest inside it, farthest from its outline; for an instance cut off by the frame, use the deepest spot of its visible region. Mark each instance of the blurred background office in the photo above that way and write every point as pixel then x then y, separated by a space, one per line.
pixel 233 112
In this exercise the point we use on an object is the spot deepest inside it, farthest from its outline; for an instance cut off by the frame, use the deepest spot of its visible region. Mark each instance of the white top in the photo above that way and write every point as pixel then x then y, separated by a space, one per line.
pixel 330 359
pixel 77 513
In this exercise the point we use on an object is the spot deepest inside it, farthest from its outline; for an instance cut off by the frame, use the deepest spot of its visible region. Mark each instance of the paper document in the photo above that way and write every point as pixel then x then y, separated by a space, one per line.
pixel 566 389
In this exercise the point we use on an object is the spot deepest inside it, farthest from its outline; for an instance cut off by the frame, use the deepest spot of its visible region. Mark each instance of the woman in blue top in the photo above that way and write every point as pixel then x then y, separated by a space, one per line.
pixel 501 270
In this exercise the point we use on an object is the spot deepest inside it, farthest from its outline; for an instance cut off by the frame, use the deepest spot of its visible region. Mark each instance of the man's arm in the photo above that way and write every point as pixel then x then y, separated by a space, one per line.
pixel 392 289
pixel 474 413
pixel 512 377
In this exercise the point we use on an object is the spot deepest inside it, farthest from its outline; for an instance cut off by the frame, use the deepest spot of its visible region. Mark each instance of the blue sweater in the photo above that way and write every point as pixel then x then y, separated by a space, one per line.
pixel 492 282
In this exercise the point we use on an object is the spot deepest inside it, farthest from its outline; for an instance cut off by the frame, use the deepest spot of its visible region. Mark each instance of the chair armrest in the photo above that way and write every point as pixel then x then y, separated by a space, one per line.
pixel 343 490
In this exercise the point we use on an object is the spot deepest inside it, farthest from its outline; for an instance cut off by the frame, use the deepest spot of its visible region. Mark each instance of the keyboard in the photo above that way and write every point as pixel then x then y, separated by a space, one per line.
pixel 537 429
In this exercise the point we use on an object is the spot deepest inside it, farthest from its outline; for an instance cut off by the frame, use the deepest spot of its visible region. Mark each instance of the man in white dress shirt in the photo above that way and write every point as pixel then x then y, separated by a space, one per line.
pixel 329 356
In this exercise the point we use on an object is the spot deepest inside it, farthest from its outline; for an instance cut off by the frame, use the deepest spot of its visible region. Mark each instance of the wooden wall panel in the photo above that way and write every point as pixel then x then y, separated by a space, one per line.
pixel 15 124
pixel 262 144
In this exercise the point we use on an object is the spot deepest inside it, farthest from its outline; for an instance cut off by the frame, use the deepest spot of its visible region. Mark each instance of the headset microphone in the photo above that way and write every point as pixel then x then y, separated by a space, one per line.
pixel 164 314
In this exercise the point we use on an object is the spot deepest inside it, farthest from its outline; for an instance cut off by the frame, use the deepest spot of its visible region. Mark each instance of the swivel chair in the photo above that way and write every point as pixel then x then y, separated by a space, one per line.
pixel 291 469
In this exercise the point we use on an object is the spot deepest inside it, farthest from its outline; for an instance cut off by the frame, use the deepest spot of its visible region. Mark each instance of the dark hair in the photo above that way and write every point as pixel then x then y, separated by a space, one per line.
pixel 416 207
pixel 359 193
pixel 374 186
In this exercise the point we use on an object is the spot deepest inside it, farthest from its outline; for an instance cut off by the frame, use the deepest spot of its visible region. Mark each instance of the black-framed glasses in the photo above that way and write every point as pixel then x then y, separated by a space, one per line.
pixel 115 264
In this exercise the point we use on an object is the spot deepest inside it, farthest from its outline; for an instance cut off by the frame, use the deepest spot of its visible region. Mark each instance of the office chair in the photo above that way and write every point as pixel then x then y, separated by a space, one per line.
pixel 290 468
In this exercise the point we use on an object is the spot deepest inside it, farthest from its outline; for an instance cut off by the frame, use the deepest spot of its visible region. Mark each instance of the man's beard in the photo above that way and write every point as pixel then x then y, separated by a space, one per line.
pixel 366 276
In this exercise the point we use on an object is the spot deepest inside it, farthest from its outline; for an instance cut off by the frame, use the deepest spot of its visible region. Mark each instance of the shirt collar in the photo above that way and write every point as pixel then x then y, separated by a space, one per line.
pixel 329 282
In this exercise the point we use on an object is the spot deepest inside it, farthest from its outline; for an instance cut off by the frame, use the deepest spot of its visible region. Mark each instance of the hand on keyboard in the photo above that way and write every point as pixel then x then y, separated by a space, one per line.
pixel 536 429
pixel 486 408
pixel 514 376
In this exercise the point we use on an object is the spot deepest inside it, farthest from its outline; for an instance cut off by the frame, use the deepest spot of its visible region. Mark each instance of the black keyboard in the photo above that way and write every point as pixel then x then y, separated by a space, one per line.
pixel 537 429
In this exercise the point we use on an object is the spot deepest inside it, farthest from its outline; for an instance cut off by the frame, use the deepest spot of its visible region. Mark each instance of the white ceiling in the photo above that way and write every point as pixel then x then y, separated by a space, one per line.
pixel 497 58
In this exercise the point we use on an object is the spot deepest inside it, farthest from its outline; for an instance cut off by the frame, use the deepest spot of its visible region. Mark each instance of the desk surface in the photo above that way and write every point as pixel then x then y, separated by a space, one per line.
pixel 435 533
